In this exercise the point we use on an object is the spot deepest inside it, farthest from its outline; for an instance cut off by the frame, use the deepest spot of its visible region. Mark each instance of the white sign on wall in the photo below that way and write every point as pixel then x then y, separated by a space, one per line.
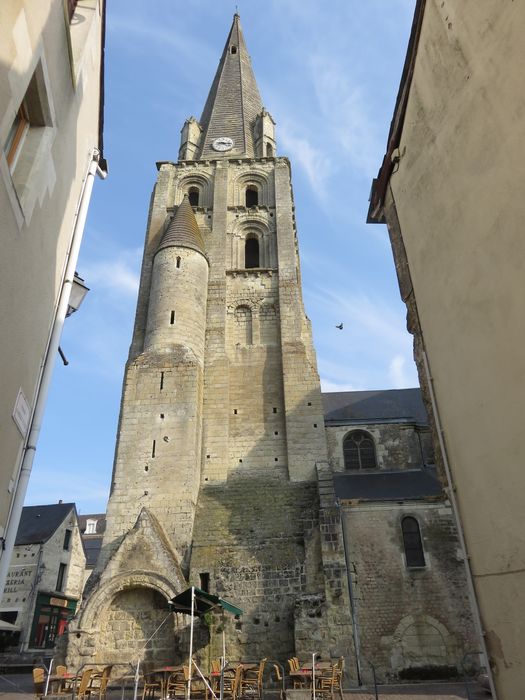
pixel 21 413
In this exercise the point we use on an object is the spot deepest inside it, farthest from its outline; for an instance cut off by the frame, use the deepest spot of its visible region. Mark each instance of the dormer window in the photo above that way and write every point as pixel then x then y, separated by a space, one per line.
pixel 91 527
pixel 233 49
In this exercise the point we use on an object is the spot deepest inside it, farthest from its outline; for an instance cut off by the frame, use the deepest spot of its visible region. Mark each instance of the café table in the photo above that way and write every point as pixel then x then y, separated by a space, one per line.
pixel 163 673
pixel 56 682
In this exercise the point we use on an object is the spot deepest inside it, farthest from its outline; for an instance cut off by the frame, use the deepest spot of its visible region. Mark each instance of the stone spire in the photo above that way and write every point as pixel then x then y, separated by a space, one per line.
pixel 233 102
pixel 183 229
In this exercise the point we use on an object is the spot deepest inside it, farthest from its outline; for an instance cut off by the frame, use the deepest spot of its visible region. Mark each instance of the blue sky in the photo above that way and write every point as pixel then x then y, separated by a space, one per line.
pixel 328 73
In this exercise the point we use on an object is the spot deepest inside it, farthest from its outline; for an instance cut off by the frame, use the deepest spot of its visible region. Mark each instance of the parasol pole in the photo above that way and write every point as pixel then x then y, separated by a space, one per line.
pixel 48 674
pixel 188 692
pixel 223 658
pixel 313 673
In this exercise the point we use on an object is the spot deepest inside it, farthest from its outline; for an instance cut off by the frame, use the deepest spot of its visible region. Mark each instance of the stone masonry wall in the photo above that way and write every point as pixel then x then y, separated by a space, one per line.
pixel 256 538
pixel 408 617
pixel 397 446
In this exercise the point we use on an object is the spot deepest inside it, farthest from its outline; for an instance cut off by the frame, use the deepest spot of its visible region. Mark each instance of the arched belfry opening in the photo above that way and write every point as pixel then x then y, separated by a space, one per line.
pixel 251 252
pixel 193 196
pixel 252 196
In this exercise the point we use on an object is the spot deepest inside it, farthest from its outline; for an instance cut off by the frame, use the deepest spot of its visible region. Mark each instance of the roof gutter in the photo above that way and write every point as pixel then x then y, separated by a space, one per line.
pixel 102 163
pixel 380 183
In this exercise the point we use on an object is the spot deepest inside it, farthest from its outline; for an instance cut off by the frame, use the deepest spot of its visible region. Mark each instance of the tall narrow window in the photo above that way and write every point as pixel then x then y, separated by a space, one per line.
pixel 359 451
pixel 252 196
pixel 205 582
pixel 251 253
pixel 172 318
pixel 67 539
pixel 60 577
pixel 243 323
pixel 161 381
pixel 269 150
pixel 414 554
pixel 193 196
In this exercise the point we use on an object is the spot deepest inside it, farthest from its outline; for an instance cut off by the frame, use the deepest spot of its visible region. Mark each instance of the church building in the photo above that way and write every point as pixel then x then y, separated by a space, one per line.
pixel 319 515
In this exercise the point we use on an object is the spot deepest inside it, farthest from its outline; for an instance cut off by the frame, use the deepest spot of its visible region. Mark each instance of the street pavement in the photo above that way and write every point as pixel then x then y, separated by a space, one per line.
pixel 20 687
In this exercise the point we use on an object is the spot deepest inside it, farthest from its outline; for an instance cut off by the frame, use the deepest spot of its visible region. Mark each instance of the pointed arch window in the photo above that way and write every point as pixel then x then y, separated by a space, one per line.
pixel 414 555
pixel 193 196
pixel 359 451
pixel 251 252
pixel 252 196
pixel 269 150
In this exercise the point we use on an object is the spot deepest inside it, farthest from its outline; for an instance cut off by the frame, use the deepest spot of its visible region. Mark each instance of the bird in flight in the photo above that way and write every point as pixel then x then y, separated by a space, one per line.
pixel 340 326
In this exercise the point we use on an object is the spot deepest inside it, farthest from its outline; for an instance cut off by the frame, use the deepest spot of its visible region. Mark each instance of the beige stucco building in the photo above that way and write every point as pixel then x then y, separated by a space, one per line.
pixel 449 190
pixel 50 135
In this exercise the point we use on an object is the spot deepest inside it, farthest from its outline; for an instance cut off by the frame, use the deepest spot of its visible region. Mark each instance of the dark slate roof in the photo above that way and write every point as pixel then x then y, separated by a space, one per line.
pixel 39 523
pixel 413 484
pixel 183 230
pixel 234 100
pixel 374 406
pixel 92 547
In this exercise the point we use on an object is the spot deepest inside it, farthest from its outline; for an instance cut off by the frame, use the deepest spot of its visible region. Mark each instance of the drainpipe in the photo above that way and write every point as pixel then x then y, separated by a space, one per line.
pixel 353 606
pixel 455 510
pixel 46 369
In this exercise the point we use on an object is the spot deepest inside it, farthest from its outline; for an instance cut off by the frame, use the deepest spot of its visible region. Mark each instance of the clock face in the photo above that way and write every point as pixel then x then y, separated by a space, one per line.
pixel 223 143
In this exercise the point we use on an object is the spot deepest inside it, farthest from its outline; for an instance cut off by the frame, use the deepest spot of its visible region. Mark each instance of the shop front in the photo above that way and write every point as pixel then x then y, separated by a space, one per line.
pixel 52 615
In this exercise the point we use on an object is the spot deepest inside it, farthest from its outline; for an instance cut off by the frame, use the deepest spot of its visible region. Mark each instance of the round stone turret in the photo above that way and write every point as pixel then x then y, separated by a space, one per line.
pixel 179 287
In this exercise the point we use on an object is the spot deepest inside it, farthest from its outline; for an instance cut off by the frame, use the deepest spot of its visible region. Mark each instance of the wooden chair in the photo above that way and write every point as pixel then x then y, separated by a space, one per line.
pixel 281 681
pixel 326 682
pixel 99 683
pixel 298 683
pixel 251 681
pixel 177 683
pixel 39 679
pixel 80 690
pixel 340 671
pixel 152 683
pixel 231 684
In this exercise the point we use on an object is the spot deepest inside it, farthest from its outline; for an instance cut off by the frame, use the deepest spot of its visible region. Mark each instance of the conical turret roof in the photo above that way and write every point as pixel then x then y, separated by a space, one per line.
pixel 183 229
pixel 234 100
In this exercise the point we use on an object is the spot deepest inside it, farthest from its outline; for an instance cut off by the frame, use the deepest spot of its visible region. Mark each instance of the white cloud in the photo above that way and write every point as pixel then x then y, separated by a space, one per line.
pixel 327 385
pixel 346 113
pixel 314 162
pixel 362 313
pixel 396 371
pixel 119 274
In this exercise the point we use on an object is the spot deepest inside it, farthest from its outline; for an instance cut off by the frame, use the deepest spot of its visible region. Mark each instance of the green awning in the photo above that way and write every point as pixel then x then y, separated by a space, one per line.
pixel 204 602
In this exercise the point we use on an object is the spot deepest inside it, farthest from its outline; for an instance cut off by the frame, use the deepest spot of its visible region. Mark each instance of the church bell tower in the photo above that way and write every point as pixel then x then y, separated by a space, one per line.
pixel 221 428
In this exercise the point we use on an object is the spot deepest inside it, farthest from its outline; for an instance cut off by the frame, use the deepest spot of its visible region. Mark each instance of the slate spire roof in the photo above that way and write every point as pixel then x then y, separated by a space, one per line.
pixel 183 230
pixel 233 101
